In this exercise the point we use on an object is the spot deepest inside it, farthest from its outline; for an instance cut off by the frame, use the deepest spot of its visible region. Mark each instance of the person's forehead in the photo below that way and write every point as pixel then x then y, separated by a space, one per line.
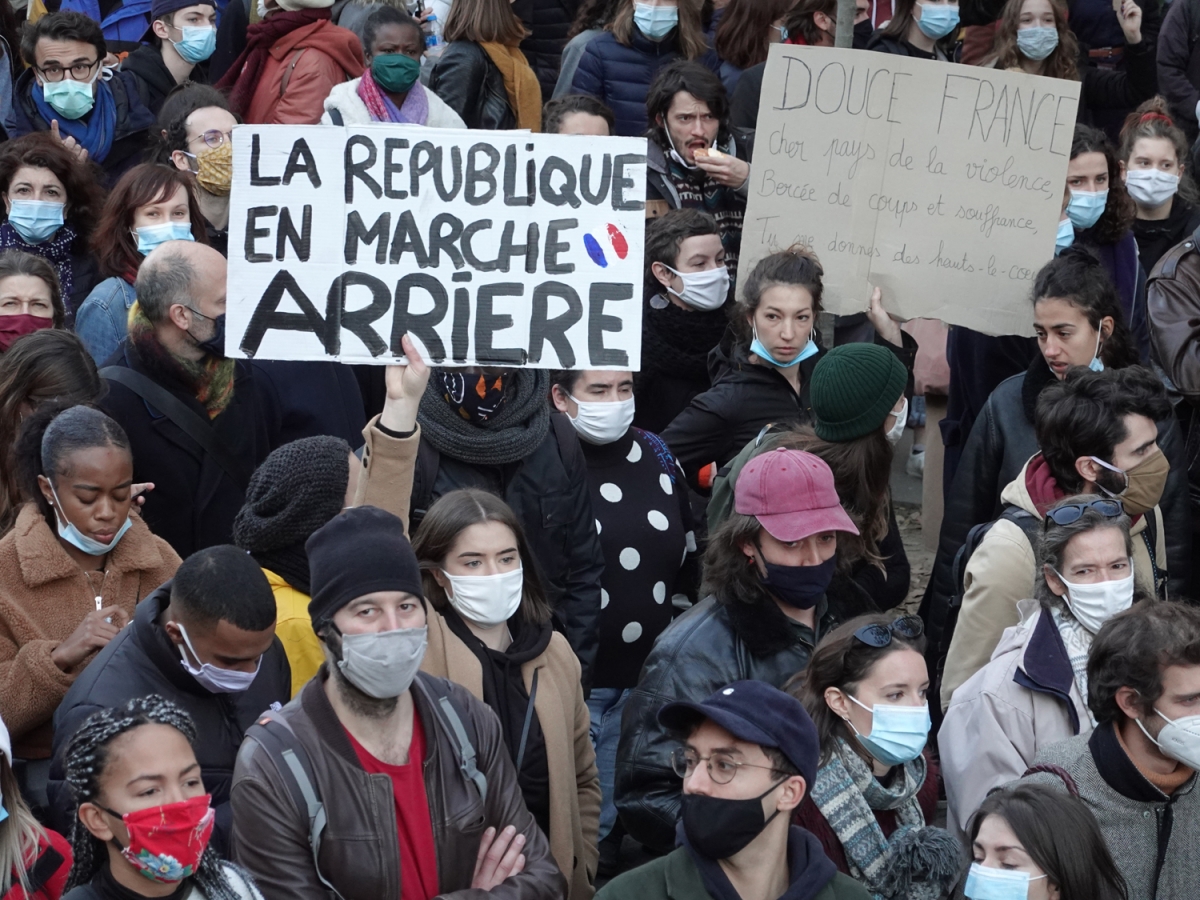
pixel 65 51
pixel 210 118
pixel 682 101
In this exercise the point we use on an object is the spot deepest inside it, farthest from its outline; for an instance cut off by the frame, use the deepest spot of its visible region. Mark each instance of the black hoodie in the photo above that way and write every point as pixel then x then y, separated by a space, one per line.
pixel 154 79
pixel 1155 238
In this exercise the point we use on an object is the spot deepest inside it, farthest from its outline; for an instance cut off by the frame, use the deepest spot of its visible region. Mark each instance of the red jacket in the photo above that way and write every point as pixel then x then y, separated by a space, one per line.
pixel 47 874
pixel 314 58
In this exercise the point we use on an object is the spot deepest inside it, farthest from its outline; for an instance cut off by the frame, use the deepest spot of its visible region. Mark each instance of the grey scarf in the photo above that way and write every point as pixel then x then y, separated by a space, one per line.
pixel 514 432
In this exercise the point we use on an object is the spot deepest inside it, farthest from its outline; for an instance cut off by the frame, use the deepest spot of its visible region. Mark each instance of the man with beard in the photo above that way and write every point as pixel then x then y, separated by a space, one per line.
pixel 695 159
pixel 448 817
pixel 1097 435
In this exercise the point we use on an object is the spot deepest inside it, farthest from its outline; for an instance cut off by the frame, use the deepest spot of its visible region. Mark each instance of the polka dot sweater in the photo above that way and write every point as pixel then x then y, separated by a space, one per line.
pixel 642 515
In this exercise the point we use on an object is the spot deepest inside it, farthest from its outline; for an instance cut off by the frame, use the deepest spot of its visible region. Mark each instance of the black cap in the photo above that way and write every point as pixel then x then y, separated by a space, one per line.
pixel 359 552
pixel 755 712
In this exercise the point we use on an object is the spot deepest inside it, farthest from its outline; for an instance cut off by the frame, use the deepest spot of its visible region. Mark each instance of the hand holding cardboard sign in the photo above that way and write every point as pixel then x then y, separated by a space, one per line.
pixel 405 387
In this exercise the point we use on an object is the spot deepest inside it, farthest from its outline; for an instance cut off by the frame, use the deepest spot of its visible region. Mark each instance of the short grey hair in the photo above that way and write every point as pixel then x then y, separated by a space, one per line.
pixel 1053 545
pixel 163 281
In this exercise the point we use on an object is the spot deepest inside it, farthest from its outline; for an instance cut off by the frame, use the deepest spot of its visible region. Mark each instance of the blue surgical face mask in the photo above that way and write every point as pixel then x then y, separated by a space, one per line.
pixel 78 539
pixel 898 733
pixel 1086 207
pixel 757 348
pixel 70 98
pixel 1065 236
pixel 35 220
pixel 986 883
pixel 1038 42
pixel 1096 365
pixel 655 22
pixel 198 43
pixel 937 19
pixel 150 236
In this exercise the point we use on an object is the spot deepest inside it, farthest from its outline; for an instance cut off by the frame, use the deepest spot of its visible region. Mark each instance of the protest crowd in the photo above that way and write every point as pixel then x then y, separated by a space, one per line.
pixel 292 629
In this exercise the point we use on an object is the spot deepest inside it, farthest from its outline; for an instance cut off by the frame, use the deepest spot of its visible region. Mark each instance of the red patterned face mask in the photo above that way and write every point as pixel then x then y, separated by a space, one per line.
pixel 166 842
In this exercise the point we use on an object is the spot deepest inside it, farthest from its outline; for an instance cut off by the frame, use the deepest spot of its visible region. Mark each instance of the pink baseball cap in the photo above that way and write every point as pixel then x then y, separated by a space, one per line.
pixel 792 495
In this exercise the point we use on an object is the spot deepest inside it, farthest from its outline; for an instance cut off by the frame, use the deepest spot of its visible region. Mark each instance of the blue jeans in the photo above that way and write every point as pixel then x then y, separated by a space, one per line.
pixel 605 706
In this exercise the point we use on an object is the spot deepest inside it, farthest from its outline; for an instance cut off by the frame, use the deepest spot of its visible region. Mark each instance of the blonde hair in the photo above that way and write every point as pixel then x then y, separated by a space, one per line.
pixel 20 833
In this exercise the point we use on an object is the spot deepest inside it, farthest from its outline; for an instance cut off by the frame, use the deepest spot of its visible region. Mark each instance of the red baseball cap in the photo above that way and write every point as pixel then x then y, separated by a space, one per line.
pixel 792 495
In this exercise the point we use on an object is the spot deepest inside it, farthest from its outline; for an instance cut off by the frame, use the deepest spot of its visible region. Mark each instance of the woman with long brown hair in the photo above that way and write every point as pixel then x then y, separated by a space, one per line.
pixel 917 28
pixel 747 30
pixel 30 296
pixel 490 631
pixel 1033 37
pixel 482 74
pixel 645 35
pixel 151 204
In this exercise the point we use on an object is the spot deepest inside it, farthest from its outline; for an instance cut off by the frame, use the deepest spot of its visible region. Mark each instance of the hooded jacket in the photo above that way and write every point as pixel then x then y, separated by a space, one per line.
pixel 563 717
pixel 358 846
pixel 143 660
pixel 1025 699
pixel 313 59
pixel 44 595
pixel 1155 237
pixel 1001 573
pixel 620 75
pixel 713 644
pixel 154 79
pixel 1002 440
pixel 1154 838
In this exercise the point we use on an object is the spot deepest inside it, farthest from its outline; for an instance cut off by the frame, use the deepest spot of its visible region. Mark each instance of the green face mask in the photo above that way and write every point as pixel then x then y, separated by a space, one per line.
pixel 395 72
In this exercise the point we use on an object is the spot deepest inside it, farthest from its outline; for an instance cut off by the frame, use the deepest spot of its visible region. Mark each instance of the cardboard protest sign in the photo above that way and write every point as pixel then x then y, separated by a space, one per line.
pixel 940 183
pixel 488 248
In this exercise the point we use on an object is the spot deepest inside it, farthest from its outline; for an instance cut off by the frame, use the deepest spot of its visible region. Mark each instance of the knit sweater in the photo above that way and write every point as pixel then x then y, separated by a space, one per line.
pixel 44 595
pixel 645 525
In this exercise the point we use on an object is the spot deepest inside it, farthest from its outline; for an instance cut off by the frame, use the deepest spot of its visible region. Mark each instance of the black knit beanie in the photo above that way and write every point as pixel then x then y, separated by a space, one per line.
pixel 297 489
pixel 362 551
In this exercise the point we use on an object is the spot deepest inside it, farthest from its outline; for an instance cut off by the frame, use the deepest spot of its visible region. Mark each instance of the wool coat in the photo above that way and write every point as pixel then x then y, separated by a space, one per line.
pixel 44 595
pixel 563 716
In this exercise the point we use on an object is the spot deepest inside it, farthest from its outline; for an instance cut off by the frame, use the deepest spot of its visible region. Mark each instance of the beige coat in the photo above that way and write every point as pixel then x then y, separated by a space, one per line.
pixel 44 595
pixel 994 727
pixel 563 715
pixel 1000 574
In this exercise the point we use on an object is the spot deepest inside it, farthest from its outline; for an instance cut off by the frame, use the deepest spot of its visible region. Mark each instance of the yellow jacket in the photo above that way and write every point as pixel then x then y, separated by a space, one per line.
pixel 294 629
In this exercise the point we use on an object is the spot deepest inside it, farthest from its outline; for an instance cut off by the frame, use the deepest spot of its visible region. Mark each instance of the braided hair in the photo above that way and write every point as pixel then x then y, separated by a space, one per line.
pixel 87 756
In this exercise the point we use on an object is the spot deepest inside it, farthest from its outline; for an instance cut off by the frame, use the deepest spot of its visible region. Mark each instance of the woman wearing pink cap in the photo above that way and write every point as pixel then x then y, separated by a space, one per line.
pixel 769 595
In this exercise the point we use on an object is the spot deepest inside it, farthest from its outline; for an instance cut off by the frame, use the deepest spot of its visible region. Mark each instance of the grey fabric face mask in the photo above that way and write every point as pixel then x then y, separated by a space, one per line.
pixel 383 664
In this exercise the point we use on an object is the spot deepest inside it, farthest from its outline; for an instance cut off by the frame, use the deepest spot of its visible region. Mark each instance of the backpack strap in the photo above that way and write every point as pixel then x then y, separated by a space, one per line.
pixel 287 73
pixel 568 442
pixel 292 762
pixel 1150 539
pixel 452 720
pixel 187 419
pixel 1052 769
pixel 425 472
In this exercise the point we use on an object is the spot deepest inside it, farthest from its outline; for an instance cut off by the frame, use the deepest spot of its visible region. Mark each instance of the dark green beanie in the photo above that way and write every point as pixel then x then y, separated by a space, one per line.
pixel 853 389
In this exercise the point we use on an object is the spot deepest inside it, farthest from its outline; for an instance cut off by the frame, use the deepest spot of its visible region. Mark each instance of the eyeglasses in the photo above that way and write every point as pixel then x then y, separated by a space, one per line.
pixel 910 627
pixel 79 71
pixel 1073 512
pixel 214 137
pixel 721 769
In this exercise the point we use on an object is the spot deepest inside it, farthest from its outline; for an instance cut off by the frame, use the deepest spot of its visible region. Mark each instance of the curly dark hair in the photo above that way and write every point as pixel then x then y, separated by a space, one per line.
pixel 1131 650
pixel 1120 210
pixel 41 150
pixel 1084 415
pixel 693 78
pixel 85 758
pixel 1078 276
pixel 594 15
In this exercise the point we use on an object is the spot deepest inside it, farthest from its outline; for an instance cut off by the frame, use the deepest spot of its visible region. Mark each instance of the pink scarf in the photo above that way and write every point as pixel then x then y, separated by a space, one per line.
pixel 414 110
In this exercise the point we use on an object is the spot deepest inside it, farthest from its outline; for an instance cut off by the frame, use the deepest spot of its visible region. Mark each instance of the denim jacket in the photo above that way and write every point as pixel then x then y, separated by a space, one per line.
pixel 102 320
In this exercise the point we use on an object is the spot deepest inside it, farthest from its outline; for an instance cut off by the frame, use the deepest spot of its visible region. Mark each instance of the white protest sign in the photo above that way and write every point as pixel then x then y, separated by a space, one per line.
pixel 940 183
pixel 486 248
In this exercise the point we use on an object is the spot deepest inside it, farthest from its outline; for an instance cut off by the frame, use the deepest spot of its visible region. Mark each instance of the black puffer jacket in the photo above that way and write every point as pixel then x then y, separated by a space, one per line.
pixel 467 79
pixel 548 22
pixel 1179 62
pixel 1001 442
pixel 743 398
pixel 548 490
pixel 711 645
pixel 142 660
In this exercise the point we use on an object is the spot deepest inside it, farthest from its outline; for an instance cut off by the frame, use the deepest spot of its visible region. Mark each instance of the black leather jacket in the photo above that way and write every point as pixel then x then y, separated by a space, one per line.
pixel 467 79
pixel 711 645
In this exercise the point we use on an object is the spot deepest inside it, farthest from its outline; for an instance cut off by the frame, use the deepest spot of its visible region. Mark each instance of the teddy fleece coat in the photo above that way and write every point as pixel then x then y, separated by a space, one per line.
pixel 44 595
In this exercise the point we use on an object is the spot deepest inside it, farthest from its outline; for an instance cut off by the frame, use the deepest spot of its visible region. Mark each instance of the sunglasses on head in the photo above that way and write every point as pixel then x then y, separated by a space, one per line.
pixel 910 627
pixel 1073 512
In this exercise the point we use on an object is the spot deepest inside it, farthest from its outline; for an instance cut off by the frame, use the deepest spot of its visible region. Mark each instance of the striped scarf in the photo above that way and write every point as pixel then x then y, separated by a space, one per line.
pixel 1078 642
pixel 918 862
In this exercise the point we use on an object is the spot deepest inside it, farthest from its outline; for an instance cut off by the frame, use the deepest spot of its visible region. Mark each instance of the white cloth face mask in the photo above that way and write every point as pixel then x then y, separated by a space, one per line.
pixel 1094 604
pixel 486 600
pixel 602 422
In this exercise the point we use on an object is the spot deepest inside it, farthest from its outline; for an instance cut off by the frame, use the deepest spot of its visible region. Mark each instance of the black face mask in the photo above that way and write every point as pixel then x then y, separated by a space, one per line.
pixel 718 828
pixel 798 586
pixel 862 32
pixel 215 345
